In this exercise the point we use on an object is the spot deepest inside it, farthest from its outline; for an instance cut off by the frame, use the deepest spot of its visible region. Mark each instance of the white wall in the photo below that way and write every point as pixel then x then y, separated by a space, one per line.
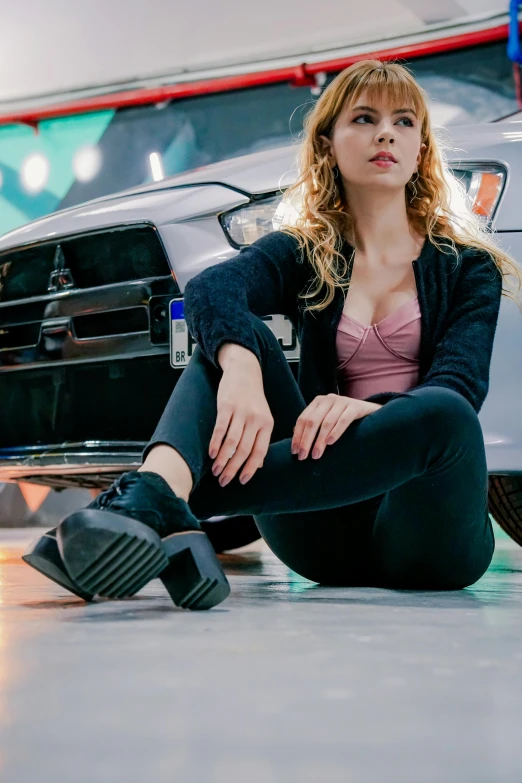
pixel 53 46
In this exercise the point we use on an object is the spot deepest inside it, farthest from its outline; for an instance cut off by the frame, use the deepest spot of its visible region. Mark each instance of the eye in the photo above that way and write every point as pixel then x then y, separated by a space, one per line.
pixel 409 121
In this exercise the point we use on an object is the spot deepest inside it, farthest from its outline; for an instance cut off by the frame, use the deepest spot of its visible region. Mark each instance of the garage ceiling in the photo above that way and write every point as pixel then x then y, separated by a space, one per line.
pixel 81 48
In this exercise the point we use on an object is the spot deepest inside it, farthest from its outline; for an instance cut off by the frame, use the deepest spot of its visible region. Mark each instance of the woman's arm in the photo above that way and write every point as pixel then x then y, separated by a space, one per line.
pixel 262 279
pixel 462 358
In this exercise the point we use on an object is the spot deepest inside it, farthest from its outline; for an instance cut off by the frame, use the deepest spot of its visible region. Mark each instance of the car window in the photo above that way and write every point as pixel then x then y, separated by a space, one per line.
pixel 468 85
pixel 191 133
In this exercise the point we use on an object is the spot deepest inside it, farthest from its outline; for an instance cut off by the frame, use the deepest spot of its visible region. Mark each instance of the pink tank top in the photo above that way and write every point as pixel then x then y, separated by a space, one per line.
pixel 381 357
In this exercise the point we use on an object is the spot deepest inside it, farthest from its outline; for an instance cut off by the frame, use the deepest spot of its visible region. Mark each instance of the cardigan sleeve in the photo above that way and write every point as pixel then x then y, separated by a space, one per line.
pixel 462 358
pixel 261 279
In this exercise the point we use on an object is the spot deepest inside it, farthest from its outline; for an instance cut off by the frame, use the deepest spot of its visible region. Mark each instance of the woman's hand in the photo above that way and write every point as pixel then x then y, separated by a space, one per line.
pixel 244 422
pixel 331 415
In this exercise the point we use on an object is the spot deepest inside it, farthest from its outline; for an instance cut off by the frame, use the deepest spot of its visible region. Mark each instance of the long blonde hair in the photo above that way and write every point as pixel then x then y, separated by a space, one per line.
pixel 323 218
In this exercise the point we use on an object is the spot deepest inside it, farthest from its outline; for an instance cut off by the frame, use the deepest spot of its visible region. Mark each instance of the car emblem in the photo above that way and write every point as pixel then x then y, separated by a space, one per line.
pixel 61 278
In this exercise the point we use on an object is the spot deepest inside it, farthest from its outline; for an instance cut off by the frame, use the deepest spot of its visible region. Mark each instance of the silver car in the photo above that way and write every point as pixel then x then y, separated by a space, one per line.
pixel 92 336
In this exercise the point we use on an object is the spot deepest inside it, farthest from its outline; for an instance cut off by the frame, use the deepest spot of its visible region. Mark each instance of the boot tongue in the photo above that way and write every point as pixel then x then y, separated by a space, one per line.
pixel 154 480
pixel 144 490
pixel 147 497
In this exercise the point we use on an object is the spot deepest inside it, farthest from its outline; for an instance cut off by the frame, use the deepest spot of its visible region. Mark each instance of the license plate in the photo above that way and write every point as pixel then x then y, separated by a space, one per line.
pixel 182 344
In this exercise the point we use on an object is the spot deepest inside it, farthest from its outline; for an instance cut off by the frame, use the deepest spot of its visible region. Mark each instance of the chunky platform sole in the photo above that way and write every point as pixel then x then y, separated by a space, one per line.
pixel 43 555
pixel 194 577
pixel 108 554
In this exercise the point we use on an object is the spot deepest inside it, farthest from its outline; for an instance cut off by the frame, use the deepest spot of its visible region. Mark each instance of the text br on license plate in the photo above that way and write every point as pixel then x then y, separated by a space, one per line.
pixel 182 344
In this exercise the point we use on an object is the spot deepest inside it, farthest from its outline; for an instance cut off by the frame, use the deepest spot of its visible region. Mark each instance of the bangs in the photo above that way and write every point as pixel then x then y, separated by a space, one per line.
pixel 395 87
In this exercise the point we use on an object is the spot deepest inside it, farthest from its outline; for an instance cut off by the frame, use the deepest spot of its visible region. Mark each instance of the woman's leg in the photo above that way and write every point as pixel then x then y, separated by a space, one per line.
pixel 422 453
pixel 434 531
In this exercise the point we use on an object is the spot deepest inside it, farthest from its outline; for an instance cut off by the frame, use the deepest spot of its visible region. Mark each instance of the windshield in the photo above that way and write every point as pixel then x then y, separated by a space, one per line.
pixel 78 158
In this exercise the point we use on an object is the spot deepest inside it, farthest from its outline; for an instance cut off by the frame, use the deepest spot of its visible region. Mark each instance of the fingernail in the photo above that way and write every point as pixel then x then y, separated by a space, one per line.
pixel 244 479
pixel 224 482
pixel 302 454
pixel 316 453
pixel 213 453
pixel 216 470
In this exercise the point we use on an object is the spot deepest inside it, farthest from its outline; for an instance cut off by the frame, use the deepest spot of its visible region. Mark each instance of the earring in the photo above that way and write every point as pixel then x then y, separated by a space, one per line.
pixel 335 172
pixel 412 183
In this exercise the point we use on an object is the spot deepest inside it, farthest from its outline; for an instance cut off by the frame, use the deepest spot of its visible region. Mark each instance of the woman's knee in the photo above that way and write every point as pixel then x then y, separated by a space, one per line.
pixel 437 403
pixel 444 413
pixel 265 336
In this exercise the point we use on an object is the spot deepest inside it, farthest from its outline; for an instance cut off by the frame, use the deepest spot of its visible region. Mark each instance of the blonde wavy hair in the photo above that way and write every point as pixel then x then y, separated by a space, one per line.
pixel 316 198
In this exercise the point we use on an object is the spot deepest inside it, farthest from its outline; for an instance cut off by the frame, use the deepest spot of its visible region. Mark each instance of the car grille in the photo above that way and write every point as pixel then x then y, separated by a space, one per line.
pixel 128 321
pixel 100 258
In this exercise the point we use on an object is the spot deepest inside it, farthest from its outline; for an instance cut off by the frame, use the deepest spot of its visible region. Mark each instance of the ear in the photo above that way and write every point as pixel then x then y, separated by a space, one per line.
pixel 419 156
pixel 326 146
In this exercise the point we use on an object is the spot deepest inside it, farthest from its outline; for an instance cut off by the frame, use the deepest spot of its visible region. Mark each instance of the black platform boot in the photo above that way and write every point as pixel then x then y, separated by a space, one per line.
pixel 44 556
pixel 136 530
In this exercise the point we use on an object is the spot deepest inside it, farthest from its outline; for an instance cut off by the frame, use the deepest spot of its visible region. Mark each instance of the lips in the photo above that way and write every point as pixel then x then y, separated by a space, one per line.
pixel 384 156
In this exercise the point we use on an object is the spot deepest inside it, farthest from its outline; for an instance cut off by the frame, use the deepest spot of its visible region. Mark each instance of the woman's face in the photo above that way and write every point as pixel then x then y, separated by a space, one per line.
pixel 370 129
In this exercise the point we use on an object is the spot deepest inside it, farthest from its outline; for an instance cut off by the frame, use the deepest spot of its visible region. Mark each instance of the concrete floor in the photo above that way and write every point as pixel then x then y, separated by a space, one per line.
pixel 285 681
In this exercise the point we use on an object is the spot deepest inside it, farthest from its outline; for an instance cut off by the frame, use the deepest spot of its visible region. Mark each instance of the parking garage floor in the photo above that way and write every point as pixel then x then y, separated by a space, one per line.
pixel 285 681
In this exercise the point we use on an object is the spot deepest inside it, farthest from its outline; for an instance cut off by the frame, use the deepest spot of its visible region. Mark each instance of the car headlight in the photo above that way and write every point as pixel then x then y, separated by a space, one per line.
pixel 480 183
pixel 483 185
pixel 245 225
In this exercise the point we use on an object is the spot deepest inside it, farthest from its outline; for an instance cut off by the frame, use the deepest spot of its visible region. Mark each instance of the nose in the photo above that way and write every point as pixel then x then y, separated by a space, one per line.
pixel 385 133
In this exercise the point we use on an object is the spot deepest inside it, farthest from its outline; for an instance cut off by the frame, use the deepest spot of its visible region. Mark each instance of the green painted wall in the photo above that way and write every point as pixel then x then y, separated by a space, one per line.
pixel 58 140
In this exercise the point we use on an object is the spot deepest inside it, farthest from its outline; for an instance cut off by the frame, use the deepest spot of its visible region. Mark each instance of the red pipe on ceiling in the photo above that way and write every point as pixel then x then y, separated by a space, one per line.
pixel 298 75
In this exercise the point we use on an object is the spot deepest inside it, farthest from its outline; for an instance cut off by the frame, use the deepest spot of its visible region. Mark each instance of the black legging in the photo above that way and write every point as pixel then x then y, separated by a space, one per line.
pixel 400 500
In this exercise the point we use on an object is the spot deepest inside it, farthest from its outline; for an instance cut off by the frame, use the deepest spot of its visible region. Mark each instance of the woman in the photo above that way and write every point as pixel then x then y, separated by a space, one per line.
pixel 371 469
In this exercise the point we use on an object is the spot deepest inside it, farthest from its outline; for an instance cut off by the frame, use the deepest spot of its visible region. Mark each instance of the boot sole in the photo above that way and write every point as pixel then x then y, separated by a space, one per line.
pixel 194 577
pixel 108 554
pixel 43 555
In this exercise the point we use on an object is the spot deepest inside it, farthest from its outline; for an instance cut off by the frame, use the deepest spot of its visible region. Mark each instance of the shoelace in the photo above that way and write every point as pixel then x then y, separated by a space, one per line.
pixel 107 495
pixel 161 526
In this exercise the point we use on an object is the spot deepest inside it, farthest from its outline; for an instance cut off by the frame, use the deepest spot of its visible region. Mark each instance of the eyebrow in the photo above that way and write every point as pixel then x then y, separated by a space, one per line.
pixel 374 111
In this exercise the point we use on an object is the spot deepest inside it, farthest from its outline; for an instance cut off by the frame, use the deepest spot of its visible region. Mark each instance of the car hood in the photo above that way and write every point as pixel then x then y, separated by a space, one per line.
pixel 157 207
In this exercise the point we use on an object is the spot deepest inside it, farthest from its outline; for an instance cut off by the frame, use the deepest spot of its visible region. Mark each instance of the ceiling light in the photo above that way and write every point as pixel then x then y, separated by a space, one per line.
pixel 35 172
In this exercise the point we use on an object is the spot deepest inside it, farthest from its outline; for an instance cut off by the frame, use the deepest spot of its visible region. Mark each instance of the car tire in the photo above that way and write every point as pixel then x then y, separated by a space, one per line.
pixel 505 504
pixel 231 532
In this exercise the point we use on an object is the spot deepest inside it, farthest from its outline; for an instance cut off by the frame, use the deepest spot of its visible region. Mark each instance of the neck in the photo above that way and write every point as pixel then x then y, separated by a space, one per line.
pixel 381 227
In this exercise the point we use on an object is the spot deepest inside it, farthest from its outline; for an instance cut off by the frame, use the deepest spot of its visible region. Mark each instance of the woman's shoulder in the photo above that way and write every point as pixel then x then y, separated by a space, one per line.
pixel 463 257
pixel 480 262
pixel 473 270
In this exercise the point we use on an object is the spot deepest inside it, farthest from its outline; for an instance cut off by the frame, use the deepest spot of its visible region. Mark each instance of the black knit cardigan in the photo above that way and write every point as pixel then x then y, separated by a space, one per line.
pixel 459 301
